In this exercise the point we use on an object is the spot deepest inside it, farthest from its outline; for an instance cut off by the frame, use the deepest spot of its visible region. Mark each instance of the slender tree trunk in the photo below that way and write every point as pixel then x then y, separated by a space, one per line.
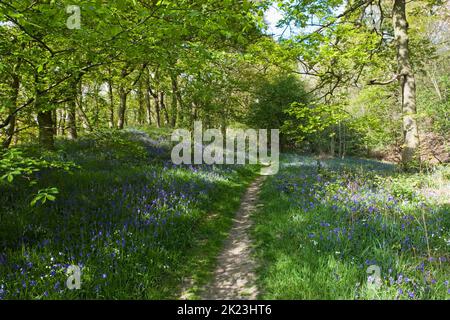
pixel 193 112
pixel 344 142
pixel 148 105
pixel 16 136
pixel 55 121
pixel 85 120
pixel 156 102
pixel 175 102
pixel 407 83
pixel 157 110
pixel 180 106
pixel 164 108
pixel 332 144
pixel 44 118
pixel 111 103
pixel 148 95
pixel 435 83
pixel 97 104
pixel 123 94
pixel 86 123
pixel 9 132
pixel 174 111
pixel 10 129
pixel 141 100
pixel 62 120
pixel 72 113
pixel 340 139
pixel 122 107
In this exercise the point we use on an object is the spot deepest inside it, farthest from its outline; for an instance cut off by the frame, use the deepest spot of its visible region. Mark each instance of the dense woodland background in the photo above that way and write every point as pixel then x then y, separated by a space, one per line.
pixel 168 63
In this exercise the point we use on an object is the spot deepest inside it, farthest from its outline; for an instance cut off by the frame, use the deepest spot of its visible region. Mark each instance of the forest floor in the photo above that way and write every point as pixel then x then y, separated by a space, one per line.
pixel 135 224
pixel 352 229
pixel 140 227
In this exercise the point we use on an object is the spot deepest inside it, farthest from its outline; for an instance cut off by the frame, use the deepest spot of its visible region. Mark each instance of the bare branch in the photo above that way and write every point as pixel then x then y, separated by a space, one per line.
pixel 383 83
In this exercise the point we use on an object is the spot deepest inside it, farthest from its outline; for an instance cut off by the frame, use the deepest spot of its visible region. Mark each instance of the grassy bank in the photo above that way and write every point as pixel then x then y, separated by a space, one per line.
pixel 324 229
pixel 135 224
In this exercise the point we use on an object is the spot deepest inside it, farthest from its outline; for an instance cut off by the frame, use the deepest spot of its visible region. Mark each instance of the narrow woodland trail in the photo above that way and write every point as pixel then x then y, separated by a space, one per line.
pixel 234 277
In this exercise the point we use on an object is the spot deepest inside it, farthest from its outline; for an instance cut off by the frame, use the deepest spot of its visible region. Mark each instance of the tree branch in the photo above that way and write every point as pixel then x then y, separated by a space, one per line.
pixel 42 43
pixel 383 83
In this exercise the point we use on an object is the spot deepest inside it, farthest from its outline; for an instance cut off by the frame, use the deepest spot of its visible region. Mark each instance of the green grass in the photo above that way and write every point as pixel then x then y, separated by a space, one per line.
pixel 320 228
pixel 137 225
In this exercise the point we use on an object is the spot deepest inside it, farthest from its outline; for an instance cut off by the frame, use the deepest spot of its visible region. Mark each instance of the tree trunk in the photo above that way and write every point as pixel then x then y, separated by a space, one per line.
pixel 157 110
pixel 407 83
pixel 10 129
pixel 175 102
pixel 332 144
pixel 435 83
pixel 45 121
pixel 54 122
pixel 193 112
pixel 9 132
pixel 141 100
pixel 123 94
pixel 16 136
pixel 61 120
pixel 97 104
pixel 111 104
pixel 340 139
pixel 72 114
pixel 122 107
pixel 164 108
pixel 85 120
pixel 148 105
pixel 344 141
